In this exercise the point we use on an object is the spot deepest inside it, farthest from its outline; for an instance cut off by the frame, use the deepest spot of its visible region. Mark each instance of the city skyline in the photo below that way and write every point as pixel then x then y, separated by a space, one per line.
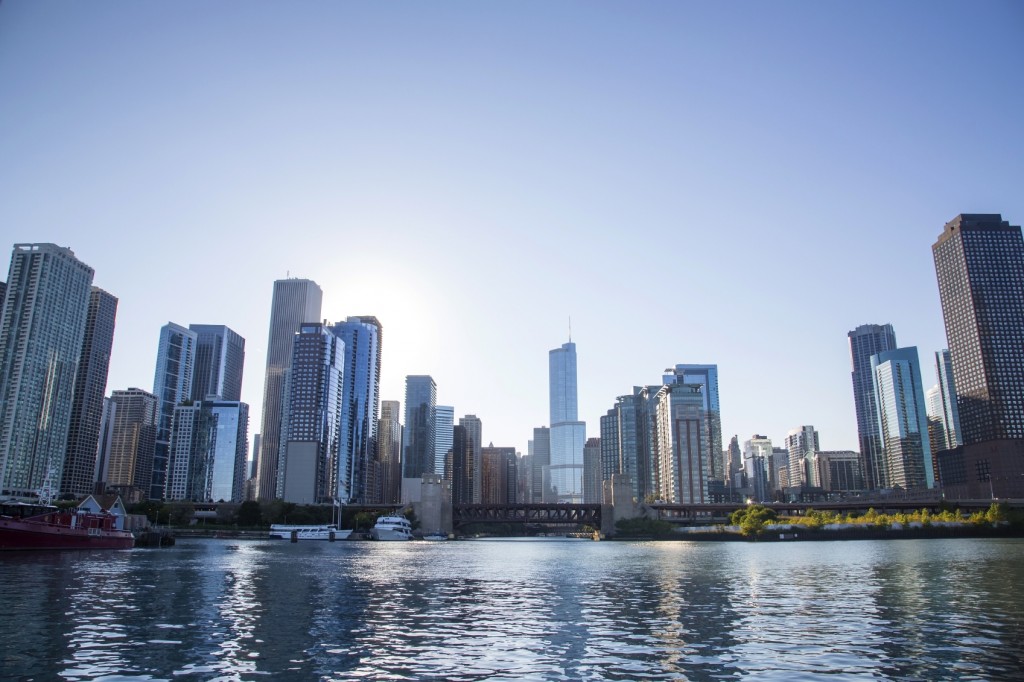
pixel 449 216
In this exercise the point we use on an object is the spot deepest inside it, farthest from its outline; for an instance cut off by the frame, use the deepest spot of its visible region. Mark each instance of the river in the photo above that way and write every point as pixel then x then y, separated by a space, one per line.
pixel 517 609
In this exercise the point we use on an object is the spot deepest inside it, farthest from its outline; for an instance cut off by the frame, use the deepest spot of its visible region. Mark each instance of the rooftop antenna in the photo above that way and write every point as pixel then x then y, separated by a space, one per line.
pixel 570 328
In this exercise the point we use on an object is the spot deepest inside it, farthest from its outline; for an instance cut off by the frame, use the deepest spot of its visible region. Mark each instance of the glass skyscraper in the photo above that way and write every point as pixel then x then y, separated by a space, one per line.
pixel 979 264
pixel 865 341
pixel 209 440
pixel 42 325
pixel 295 302
pixel 220 359
pixel 949 413
pixel 564 477
pixel 902 420
pixel 361 404
pixel 172 385
pixel 79 476
pixel 707 376
pixel 418 448
pixel 444 424
pixel 311 466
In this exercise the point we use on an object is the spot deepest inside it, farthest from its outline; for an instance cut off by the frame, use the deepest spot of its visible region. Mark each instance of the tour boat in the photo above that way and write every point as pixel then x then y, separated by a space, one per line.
pixel 308 532
pixel 88 526
pixel 391 528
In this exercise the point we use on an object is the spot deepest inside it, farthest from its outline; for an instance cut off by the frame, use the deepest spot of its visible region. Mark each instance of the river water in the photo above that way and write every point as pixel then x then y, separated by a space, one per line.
pixel 517 609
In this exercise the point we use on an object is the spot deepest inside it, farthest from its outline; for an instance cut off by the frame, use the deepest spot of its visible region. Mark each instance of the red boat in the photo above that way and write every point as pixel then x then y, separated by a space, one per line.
pixel 88 526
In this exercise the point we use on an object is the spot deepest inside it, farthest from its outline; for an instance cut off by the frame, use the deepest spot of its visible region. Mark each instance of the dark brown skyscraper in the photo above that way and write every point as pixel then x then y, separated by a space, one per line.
pixel 87 403
pixel 979 262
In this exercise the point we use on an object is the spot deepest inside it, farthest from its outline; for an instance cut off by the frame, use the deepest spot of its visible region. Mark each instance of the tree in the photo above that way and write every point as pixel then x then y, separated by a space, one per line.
pixel 249 514
pixel 753 519
pixel 180 513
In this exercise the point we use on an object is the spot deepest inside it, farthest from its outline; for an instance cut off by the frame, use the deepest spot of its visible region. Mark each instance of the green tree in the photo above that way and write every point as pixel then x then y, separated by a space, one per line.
pixel 753 519
pixel 249 514
pixel 180 513
pixel 364 520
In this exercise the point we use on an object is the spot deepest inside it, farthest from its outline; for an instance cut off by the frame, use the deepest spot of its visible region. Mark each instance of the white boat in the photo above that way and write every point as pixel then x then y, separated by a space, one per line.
pixel 308 532
pixel 391 528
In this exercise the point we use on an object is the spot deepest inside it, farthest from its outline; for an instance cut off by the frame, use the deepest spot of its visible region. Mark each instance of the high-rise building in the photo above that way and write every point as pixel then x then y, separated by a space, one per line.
pixel 172 385
pixel 363 336
pixel 42 325
pixel 420 405
pixel 802 445
pixel 79 476
pixel 840 471
pixel 949 415
pixel 209 445
pixel 475 442
pixel 707 376
pixel 444 422
pixel 682 449
pixel 628 428
pixel 611 463
pixel 312 468
pixel 104 440
pixel 779 476
pixel 389 451
pixel 902 420
pixel 592 481
pixel 936 430
pixel 757 460
pixel 295 302
pixel 865 341
pixel 979 263
pixel 568 434
pixel 541 460
pixel 220 359
pixel 458 467
pixel 132 443
pixel 498 475
pixel 734 468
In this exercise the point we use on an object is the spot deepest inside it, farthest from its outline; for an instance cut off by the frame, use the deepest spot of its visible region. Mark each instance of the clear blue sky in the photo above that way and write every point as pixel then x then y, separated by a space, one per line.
pixel 737 183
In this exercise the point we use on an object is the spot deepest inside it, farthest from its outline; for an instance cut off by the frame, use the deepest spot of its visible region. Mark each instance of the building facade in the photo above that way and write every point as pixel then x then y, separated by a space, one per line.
pixel 132 444
pixel 592 481
pixel 219 363
pixel 474 428
pixel 295 301
pixel 444 423
pixel 706 376
pixel 902 420
pixel 979 264
pixel 363 337
pixel 540 460
pixel 564 475
pixel 802 446
pixel 389 451
pixel 312 466
pixel 42 325
pixel 79 477
pixel 420 417
pixel 949 414
pixel 208 450
pixel 865 341
pixel 172 385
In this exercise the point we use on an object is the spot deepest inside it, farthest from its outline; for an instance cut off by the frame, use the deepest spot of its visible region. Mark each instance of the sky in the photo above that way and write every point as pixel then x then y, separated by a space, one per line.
pixel 736 183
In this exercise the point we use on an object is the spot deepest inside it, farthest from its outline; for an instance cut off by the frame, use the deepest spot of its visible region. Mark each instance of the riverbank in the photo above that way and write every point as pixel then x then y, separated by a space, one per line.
pixel 804 534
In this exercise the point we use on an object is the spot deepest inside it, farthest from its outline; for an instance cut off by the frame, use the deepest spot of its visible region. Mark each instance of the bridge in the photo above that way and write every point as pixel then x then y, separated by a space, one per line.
pixel 527 514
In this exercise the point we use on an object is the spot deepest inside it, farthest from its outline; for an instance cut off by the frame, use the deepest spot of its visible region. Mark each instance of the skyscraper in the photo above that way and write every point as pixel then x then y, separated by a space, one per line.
pixel 90 385
pixel 172 385
pixel 209 440
pixel 130 462
pixel 681 444
pixel 418 448
pixel 389 451
pixel 541 460
pixel 568 435
pixel 757 462
pixel 979 263
pixel 949 414
pixel 592 471
pixel 295 301
pixel 707 376
pixel 474 428
pixel 902 420
pixel 42 325
pixel 865 341
pixel 444 423
pixel 220 359
pixel 312 467
pixel 361 400
pixel 802 445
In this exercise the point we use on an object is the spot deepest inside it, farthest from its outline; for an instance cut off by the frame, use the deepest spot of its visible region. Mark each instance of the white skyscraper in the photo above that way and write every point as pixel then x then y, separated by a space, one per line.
pixel 42 324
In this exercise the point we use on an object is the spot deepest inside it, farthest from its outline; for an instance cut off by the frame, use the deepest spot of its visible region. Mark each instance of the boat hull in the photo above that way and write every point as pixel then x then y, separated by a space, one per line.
pixel 18 534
